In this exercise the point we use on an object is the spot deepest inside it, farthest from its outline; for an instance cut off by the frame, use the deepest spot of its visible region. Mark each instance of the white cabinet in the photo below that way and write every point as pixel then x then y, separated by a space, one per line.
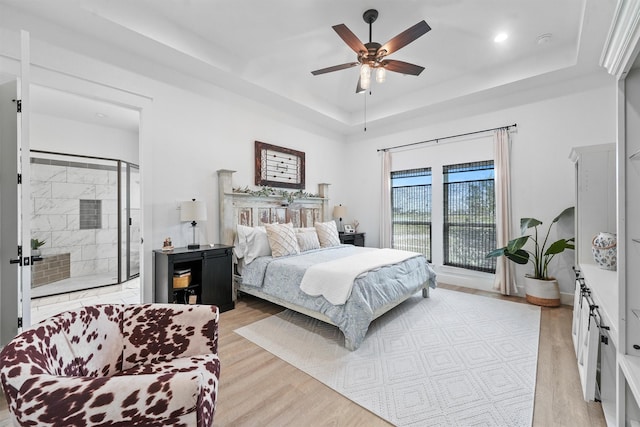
pixel 628 244
pixel 595 321
pixel 620 57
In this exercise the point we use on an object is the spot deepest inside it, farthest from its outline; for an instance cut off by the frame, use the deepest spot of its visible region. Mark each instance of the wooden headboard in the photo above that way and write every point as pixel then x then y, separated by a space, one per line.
pixel 250 209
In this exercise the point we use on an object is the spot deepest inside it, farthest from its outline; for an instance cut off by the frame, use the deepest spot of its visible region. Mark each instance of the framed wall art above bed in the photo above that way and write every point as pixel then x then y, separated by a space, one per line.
pixel 279 166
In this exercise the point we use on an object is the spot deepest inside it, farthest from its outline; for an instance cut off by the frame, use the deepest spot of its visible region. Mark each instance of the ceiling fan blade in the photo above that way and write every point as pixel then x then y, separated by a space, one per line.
pixel 359 88
pixel 349 38
pixel 406 37
pixel 402 67
pixel 334 68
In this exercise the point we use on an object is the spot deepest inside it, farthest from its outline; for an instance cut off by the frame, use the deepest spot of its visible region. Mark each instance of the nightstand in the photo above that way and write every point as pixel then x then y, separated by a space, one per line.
pixel 211 279
pixel 356 239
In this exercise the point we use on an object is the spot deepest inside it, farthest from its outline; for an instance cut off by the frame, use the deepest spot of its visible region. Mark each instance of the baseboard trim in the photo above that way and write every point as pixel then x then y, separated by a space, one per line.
pixel 566 299
pixel 484 282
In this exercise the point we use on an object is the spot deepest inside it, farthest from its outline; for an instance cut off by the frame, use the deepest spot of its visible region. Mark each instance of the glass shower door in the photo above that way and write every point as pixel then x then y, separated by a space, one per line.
pixel 74 222
pixel 130 203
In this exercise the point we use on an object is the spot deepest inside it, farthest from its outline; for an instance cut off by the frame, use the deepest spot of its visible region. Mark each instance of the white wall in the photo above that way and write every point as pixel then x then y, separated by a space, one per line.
pixel 49 133
pixel 197 135
pixel 542 174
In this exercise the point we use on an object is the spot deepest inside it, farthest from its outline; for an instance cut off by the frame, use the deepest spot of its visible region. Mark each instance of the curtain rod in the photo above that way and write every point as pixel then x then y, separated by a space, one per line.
pixel 447 137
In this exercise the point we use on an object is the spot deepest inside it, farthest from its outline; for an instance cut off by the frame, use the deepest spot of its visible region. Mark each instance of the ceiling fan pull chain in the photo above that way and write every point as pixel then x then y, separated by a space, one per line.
pixel 365 110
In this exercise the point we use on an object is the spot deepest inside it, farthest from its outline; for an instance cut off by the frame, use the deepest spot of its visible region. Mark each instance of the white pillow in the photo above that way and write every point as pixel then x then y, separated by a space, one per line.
pixel 252 242
pixel 282 240
pixel 303 229
pixel 308 240
pixel 327 234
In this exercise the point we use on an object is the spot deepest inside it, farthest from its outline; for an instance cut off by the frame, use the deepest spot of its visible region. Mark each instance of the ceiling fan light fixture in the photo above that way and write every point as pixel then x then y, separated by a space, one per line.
pixel 365 83
pixel 365 72
pixel 365 76
pixel 381 75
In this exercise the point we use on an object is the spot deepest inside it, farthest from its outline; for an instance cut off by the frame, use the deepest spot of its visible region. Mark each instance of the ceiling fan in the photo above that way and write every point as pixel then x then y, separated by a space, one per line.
pixel 371 56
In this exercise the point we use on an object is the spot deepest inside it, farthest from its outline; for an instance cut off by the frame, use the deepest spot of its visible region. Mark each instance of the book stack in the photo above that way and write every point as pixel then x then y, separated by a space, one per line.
pixel 181 278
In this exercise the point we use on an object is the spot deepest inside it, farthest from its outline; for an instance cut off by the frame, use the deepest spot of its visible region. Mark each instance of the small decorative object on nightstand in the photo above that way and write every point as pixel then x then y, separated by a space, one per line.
pixel 167 245
pixel 356 239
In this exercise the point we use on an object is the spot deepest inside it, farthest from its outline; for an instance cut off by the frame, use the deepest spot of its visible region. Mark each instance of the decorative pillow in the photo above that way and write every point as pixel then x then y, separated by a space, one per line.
pixel 303 229
pixel 252 242
pixel 282 240
pixel 308 240
pixel 327 233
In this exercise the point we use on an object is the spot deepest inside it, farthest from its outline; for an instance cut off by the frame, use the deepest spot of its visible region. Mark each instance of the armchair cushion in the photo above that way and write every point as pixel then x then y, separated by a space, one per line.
pixel 115 365
pixel 153 334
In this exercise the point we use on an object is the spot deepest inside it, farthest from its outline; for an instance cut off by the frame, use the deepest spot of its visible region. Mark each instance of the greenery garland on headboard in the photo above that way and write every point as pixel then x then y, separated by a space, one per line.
pixel 289 196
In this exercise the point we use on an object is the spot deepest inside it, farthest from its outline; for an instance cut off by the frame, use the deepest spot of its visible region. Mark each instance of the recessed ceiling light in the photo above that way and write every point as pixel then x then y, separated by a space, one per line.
pixel 501 37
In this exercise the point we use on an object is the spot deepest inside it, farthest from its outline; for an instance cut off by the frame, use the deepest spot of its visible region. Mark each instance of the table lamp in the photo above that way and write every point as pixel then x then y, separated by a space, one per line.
pixel 193 211
pixel 340 212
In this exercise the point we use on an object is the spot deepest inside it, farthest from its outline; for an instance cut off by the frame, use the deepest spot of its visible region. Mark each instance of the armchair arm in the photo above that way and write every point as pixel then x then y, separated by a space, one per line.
pixel 159 332
pixel 47 400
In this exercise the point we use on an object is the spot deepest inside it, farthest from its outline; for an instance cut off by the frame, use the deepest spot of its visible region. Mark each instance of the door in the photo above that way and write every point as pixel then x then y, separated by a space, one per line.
pixel 9 273
pixel 15 207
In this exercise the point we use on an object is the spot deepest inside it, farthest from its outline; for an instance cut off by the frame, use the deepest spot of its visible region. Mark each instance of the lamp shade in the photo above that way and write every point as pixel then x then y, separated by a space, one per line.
pixel 193 210
pixel 339 211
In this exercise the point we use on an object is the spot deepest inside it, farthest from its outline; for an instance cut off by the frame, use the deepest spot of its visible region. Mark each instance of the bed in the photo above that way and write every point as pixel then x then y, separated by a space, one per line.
pixel 281 279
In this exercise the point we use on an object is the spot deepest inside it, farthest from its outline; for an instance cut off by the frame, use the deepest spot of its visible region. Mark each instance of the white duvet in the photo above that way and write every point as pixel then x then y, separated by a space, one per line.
pixel 334 279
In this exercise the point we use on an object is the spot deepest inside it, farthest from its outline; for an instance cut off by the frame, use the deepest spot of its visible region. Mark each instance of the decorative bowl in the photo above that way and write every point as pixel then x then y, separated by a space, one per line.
pixel 605 250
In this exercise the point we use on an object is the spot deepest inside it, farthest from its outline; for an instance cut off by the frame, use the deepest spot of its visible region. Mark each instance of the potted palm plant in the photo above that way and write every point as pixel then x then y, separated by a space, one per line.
pixel 540 288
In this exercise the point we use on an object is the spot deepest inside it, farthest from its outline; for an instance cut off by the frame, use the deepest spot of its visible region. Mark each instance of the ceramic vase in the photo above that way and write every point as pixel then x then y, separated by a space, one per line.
pixel 605 250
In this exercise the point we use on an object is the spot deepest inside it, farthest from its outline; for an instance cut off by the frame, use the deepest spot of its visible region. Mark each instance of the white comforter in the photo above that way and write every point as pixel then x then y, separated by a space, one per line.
pixel 334 279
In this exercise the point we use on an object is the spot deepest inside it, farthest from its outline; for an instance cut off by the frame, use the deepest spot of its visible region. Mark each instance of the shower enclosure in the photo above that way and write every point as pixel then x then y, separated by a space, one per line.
pixel 86 217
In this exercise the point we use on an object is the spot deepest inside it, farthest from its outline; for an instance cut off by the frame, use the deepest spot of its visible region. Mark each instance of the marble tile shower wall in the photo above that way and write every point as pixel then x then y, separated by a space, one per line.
pixel 56 190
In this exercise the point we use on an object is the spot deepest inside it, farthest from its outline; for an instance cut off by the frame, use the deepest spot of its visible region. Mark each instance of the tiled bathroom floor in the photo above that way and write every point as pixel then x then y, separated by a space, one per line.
pixel 125 293
pixel 73 284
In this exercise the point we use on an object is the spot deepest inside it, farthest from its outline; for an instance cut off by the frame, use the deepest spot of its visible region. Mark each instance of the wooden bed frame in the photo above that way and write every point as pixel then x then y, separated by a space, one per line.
pixel 251 210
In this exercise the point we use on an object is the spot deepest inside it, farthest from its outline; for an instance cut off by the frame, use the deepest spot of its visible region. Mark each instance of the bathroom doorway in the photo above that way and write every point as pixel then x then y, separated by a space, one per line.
pixel 85 223
pixel 85 193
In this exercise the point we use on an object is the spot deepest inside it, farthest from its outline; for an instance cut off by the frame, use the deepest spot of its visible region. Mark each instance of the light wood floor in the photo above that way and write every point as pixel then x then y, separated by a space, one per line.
pixel 259 389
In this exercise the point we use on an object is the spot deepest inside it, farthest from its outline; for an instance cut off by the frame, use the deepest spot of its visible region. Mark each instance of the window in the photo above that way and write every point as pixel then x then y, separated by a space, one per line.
pixel 469 229
pixel 411 210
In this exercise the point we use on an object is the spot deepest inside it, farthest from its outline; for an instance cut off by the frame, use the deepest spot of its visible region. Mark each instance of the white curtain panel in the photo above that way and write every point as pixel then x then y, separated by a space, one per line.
pixel 385 205
pixel 504 280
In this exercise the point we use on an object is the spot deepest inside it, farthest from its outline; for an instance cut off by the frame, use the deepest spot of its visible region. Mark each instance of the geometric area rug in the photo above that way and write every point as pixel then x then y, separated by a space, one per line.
pixel 453 359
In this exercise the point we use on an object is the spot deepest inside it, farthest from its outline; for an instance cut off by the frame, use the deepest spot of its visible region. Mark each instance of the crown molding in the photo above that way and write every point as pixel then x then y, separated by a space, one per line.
pixel 621 47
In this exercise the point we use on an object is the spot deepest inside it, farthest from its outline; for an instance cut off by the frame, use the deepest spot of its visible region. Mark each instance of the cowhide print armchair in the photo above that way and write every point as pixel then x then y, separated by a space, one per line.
pixel 115 365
